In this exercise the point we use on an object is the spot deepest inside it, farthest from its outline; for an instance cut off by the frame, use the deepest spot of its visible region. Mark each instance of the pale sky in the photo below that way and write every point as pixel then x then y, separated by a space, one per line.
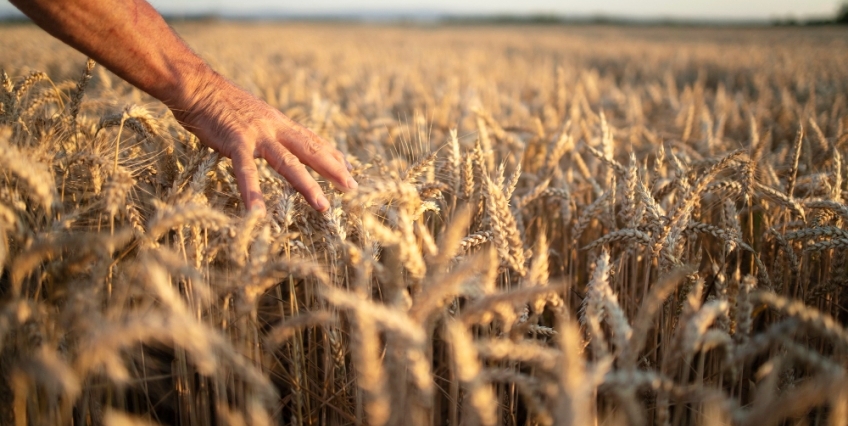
pixel 687 9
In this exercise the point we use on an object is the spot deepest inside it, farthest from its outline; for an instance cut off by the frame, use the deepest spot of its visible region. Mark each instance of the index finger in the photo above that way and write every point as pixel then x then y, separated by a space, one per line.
pixel 247 178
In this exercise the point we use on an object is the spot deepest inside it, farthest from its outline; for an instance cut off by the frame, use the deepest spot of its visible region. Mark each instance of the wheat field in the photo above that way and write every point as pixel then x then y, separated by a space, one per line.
pixel 553 226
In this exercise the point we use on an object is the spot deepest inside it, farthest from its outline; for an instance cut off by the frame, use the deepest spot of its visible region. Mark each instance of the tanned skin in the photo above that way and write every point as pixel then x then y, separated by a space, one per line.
pixel 132 40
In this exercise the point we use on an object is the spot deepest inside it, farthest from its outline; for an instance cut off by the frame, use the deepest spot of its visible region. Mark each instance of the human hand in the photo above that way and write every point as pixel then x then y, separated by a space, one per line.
pixel 132 40
pixel 242 127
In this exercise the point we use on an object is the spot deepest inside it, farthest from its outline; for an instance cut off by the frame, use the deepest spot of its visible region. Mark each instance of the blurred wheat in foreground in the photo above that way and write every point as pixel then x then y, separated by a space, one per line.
pixel 554 226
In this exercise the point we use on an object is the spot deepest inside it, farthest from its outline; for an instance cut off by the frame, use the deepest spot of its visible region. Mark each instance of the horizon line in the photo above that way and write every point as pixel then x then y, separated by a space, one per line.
pixel 428 16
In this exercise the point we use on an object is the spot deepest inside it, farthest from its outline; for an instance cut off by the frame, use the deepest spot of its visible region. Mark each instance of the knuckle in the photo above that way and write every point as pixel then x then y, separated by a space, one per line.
pixel 244 169
pixel 288 159
pixel 232 147
pixel 313 146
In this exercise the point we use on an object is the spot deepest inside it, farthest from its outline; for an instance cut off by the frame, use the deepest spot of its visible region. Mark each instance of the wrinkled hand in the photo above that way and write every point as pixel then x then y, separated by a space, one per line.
pixel 242 127
pixel 132 40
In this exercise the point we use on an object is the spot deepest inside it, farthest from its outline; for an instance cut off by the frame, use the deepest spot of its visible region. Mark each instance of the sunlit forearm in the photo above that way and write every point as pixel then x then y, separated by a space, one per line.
pixel 132 40
pixel 129 38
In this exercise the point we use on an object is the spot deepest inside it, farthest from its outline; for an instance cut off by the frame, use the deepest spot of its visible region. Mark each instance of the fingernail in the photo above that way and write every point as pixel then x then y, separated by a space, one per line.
pixel 321 203
pixel 258 209
pixel 349 166
pixel 351 183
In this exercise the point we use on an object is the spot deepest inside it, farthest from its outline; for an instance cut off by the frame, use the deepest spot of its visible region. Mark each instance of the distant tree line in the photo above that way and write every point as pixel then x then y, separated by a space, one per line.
pixel 841 18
